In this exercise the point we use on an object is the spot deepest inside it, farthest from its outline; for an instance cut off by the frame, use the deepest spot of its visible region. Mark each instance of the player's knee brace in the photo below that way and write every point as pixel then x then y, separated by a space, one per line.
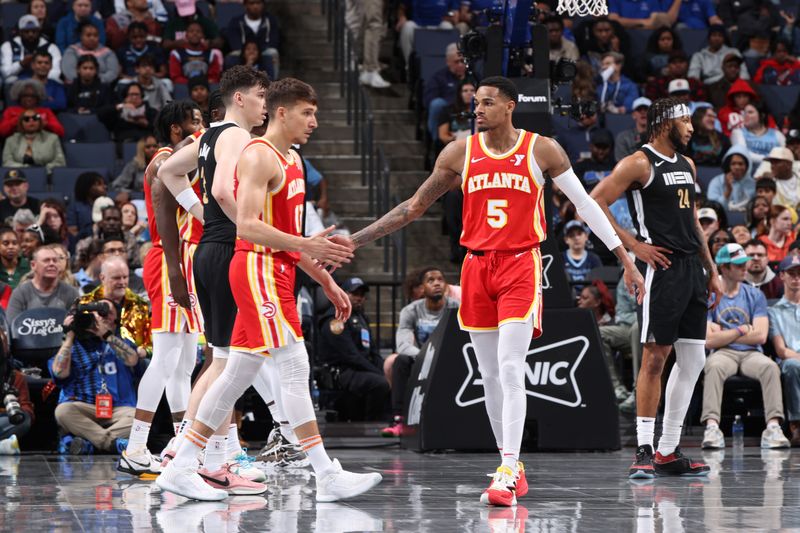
pixel 166 354
pixel 690 357
pixel 294 370
pixel 238 375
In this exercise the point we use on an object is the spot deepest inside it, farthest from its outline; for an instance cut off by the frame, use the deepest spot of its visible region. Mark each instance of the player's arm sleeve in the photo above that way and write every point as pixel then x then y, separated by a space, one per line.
pixel 405 338
pixel 587 208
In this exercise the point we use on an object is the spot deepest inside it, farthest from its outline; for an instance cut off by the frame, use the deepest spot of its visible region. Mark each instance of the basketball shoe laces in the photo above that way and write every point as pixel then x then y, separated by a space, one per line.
pixel 504 479
pixel 244 460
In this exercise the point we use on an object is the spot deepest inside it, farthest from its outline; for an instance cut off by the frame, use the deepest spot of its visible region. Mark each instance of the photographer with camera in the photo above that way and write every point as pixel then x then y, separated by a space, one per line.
pixel 16 408
pixel 98 395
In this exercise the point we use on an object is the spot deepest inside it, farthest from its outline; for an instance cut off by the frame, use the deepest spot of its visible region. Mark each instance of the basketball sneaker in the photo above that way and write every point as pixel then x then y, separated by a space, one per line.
pixel 395 430
pixel 243 466
pixel 713 438
pixel 188 483
pixel 139 463
pixel 226 479
pixel 339 484
pixel 9 446
pixel 773 437
pixel 677 464
pixel 522 483
pixel 279 452
pixel 502 489
pixel 642 467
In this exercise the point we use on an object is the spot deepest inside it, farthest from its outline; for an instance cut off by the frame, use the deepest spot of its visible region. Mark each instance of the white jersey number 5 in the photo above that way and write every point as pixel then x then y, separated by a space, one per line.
pixel 495 216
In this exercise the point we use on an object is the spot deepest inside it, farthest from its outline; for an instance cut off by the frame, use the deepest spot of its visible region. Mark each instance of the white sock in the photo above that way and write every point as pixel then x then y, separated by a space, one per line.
pixel 711 423
pixel 186 424
pixel 176 426
pixel 500 449
pixel 645 430
pixel 232 446
pixel 773 424
pixel 288 432
pixel 320 461
pixel 186 455
pixel 670 437
pixel 215 453
pixel 510 461
pixel 138 437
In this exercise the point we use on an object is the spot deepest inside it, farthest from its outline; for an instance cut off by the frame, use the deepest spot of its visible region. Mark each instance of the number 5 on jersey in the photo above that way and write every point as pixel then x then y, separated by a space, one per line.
pixel 495 216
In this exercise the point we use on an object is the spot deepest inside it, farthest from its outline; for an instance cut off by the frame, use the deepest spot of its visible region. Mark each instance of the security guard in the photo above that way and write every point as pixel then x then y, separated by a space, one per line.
pixel 348 347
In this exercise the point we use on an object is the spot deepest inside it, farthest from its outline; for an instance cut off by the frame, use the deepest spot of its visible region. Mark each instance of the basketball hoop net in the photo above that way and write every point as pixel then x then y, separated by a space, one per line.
pixel 583 8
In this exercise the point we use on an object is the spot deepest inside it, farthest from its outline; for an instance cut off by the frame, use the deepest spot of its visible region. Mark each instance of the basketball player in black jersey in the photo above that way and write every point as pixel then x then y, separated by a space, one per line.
pixel 680 277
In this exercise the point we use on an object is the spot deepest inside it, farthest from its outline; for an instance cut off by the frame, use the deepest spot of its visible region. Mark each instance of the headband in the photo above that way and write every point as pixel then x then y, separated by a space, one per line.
pixel 676 111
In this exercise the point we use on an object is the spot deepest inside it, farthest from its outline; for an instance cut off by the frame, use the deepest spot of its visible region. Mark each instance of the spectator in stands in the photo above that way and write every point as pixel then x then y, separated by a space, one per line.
pixel 251 57
pixel 107 64
pixel 780 167
pixel 583 86
pixel 735 187
pixel 110 224
pixel 605 36
pixel 45 289
pixel 56 96
pixel 10 433
pixel 709 220
pixel 258 25
pixel 138 46
pixel 599 165
pixel 573 137
pixel 560 47
pixel 32 146
pixel 677 69
pixel 53 219
pixel 131 222
pixel 756 136
pixel 793 144
pixel 86 94
pixel 644 14
pixel 413 14
pixel 417 322
pixel 349 347
pixel 597 298
pixel 29 94
pixel 630 140
pixel 783 319
pixel 32 239
pixel 578 262
pixel 707 146
pixel 718 239
pixel 39 9
pixel 156 91
pixel 767 188
pixel 757 212
pixel 660 44
pixel 15 190
pixel 88 187
pixel 174 35
pixel 454 121
pixel 12 265
pixel 736 329
pixel 132 176
pixel 741 234
pixel 731 116
pixel 21 221
pixel 132 118
pixel 747 19
pixel 698 15
pixel 16 54
pixel 365 20
pixel 195 58
pixel 88 363
pixel 707 64
pixel 135 11
pixel 759 274
pixel 732 66
pixel 622 336
pixel 617 92
pixel 781 68
pixel 780 234
pixel 199 93
pixel 68 30
pixel 441 90
pixel 681 89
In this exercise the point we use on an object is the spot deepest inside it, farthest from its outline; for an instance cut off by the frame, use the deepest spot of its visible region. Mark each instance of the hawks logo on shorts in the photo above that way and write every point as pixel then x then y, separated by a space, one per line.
pixel 269 310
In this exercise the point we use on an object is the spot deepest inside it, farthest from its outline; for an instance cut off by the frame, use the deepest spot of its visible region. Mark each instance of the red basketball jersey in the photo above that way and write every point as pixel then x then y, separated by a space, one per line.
pixel 503 196
pixel 283 206
pixel 189 228
pixel 148 200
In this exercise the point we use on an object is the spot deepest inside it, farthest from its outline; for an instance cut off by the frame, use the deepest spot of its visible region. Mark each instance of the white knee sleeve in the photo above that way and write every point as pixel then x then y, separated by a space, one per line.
pixel 512 348
pixel 179 385
pixel 690 358
pixel 217 404
pixel 167 349
pixel 263 386
pixel 221 353
pixel 485 345
pixel 294 370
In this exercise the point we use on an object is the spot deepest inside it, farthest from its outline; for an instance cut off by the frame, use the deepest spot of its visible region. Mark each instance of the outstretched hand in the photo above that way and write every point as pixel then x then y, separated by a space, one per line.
pixel 340 301
pixel 329 250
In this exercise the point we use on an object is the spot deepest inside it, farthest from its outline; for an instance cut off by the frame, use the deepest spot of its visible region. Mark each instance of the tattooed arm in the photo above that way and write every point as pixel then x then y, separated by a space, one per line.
pixel 124 351
pixel 446 175
pixel 62 362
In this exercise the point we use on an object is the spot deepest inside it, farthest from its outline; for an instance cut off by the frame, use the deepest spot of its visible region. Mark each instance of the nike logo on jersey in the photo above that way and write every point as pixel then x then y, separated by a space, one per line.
pixel 659 163
pixel 224 482
pixel 476 159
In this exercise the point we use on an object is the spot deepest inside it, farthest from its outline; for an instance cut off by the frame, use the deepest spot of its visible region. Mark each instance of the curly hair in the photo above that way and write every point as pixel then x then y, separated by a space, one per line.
pixel 659 117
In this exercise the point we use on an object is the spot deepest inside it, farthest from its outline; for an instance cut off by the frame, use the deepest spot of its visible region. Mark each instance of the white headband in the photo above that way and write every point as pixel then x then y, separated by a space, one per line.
pixel 677 111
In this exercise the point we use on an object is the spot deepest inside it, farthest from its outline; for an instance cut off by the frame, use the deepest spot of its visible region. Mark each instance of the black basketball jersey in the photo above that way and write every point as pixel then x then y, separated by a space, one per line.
pixel 217 227
pixel 663 209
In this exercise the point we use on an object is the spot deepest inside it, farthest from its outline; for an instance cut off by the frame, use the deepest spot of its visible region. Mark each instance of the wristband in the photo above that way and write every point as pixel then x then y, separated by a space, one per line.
pixel 187 198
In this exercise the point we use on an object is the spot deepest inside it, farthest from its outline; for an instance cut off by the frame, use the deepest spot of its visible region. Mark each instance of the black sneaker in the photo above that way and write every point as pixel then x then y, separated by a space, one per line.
pixel 677 464
pixel 642 467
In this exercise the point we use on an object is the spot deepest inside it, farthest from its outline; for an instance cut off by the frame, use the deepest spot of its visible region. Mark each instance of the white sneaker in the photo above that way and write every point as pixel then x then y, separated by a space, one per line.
pixel 338 484
pixel 773 437
pixel 170 447
pixel 713 438
pixel 139 463
pixel 188 483
pixel 9 446
pixel 373 79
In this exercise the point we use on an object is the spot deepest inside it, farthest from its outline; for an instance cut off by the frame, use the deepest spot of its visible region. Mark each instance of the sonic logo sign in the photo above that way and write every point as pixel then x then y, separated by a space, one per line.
pixel 549 373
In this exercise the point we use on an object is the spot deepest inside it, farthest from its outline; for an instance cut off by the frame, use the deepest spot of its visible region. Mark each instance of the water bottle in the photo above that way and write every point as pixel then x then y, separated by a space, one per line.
pixel 315 395
pixel 738 434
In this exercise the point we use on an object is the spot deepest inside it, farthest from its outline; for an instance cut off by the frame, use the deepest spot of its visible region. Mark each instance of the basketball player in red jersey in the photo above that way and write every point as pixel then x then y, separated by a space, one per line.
pixel 502 170
pixel 175 318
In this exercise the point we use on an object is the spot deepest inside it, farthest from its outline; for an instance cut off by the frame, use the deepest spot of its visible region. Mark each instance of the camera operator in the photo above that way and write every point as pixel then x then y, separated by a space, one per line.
pixel 16 409
pixel 98 394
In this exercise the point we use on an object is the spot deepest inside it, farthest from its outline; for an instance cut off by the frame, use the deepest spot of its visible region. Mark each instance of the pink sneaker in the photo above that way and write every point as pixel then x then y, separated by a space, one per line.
pixel 395 430
pixel 226 479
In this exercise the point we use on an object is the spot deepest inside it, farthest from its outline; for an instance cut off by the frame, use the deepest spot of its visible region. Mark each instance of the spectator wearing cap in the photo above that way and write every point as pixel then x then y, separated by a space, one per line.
pixel 617 92
pixel 16 54
pixel 709 221
pixel 199 93
pixel 29 94
pixel 780 68
pixel 735 187
pixel 15 190
pixel 156 91
pixel 578 261
pixel 644 14
pixel 174 35
pixel 195 58
pixel 86 94
pixel 784 316
pixel 137 46
pixel 780 166
pixel 707 64
pixel 45 289
pixel 349 348
pixel 134 11
pixel 30 145
pixel 90 44
pixel 755 134
pixel 55 95
pixel 793 144
pixel 68 28
pixel 259 26
pixel 708 146
pixel 677 69
pixel 732 67
pixel 601 162
pixel 736 329
pixel 759 274
pixel 12 265
pixel 629 141
pixel 780 234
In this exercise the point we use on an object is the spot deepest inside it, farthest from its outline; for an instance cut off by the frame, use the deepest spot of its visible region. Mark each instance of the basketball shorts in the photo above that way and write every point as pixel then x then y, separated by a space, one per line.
pixel 263 286
pixel 167 315
pixel 498 287
pixel 194 316
pixel 211 263
pixel 675 305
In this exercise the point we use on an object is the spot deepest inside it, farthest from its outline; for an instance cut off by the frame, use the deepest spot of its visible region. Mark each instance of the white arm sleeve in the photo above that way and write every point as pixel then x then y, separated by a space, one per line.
pixel 587 208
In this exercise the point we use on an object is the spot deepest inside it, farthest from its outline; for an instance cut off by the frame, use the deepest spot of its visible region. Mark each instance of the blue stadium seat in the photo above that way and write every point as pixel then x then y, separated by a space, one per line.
pixel 83 128
pixel 227 11
pixel 128 152
pixel 10 14
pixel 563 91
pixel 705 175
pixel 571 137
pixel 90 155
pixel 779 99
pixel 43 195
pixel 736 217
pixel 429 42
pixel 64 179
pixel 618 123
pixel 693 40
pixel 430 65
pixel 36 176
pixel 180 91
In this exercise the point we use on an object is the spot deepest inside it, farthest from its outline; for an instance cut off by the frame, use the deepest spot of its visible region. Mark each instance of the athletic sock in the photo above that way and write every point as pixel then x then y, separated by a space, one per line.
pixel 773 424
pixel 193 442
pixel 510 460
pixel 711 423
pixel 288 432
pixel 215 453
pixel 186 424
pixel 500 449
pixel 670 437
pixel 320 461
pixel 138 437
pixel 176 426
pixel 645 430
pixel 232 445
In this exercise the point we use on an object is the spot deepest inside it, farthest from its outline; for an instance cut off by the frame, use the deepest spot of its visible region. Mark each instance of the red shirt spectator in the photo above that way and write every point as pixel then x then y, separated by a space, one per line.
pixel 195 59
pixel 780 236
pixel 29 94
pixel 732 115
pixel 780 69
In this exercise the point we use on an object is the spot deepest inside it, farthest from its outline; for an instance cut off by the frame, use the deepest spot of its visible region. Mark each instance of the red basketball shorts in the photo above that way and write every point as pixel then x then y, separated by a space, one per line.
pixel 167 315
pixel 500 287
pixel 263 287
pixel 194 316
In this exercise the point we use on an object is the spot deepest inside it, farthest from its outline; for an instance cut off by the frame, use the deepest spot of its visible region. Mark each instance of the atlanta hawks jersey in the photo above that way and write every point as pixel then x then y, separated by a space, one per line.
pixel 283 206
pixel 503 205
pixel 155 238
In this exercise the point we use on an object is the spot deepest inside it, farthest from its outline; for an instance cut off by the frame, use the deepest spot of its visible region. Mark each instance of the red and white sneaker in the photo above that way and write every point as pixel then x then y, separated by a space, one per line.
pixel 226 479
pixel 502 490
pixel 522 483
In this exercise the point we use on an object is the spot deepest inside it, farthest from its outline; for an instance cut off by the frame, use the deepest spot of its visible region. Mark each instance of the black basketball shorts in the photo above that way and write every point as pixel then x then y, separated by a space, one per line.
pixel 211 264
